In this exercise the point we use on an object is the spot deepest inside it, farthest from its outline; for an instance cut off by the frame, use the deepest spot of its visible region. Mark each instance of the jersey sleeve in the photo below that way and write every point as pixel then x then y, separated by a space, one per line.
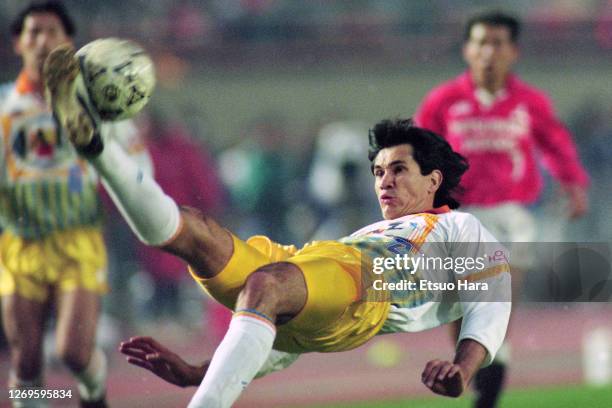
pixel 5 90
pixel 555 144
pixel 485 312
pixel 277 361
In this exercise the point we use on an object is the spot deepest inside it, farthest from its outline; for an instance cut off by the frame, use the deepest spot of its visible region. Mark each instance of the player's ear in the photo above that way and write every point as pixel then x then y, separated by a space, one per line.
pixel 464 52
pixel 516 52
pixel 435 181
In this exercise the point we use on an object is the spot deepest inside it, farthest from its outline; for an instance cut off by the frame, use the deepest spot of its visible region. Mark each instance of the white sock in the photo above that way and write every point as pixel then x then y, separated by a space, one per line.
pixel 243 351
pixel 91 382
pixel 153 216
pixel 18 384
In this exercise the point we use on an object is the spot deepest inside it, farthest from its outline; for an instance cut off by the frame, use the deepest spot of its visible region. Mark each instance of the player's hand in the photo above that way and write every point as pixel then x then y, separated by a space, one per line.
pixel 444 378
pixel 578 201
pixel 147 353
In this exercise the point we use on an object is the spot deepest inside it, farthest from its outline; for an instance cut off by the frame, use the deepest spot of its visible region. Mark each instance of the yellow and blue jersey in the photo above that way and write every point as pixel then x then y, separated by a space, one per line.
pixel 44 185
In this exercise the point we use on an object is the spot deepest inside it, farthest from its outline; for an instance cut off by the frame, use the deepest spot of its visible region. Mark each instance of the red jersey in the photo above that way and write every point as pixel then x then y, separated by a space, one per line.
pixel 501 139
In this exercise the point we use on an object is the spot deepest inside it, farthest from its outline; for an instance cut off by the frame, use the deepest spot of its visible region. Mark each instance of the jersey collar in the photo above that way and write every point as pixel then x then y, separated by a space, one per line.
pixel 439 210
pixel 24 85
pixel 467 81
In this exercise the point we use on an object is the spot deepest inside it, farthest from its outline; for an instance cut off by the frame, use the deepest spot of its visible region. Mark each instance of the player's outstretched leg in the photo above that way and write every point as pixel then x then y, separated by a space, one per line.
pixel 153 216
pixel 272 291
pixel 488 383
pixel 205 245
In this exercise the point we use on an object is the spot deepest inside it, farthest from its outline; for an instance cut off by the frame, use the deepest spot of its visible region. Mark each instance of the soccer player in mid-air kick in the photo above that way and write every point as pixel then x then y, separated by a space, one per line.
pixel 287 301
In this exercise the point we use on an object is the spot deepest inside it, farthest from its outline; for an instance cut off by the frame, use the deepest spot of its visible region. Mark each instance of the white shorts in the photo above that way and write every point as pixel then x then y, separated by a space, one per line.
pixel 509 223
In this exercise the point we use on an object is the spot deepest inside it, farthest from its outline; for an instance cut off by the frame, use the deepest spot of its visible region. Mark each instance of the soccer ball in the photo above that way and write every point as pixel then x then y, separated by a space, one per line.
pixel 118 77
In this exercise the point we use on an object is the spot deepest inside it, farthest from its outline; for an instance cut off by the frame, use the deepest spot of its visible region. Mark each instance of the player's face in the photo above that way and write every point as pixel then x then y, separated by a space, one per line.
pixel 490 54
pixel 42 32
pixel 400 187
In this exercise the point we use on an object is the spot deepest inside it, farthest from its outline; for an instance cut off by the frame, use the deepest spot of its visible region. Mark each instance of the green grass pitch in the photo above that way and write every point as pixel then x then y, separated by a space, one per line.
pixel 560 397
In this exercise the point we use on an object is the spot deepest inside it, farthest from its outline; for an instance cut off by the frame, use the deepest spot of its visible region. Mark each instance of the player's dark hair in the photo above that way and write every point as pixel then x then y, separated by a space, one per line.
pixel 495 19
pixel 431 152
pixel 37 7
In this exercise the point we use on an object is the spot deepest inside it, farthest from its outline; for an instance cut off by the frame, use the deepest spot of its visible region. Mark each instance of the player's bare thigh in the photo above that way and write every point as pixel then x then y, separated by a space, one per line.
pixel 204 244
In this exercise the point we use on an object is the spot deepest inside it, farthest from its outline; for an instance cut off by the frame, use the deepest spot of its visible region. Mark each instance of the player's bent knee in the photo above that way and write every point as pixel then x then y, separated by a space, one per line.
pixel 260 288
pixel 277 288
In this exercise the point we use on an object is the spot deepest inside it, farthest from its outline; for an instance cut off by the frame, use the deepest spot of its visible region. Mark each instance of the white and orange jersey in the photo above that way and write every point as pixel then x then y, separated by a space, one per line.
pixel 44 185
pixel 444 247
pixel 438 234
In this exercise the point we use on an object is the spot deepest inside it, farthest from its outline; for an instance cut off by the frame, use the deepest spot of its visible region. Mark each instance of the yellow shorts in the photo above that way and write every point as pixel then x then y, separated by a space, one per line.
pixel 335 317
pixel 64 260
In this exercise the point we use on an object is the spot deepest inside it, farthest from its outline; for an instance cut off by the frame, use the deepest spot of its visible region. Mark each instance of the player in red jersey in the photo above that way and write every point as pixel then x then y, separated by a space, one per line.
pixel 502 125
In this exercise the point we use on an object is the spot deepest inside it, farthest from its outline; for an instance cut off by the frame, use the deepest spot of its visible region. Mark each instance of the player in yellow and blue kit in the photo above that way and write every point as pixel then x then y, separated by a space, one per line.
pixel 51 248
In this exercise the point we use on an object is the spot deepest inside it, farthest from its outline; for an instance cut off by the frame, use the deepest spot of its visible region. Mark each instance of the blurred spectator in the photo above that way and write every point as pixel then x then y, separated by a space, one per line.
pixel 337 178
pixel 214 31
pixel 592 121
pixel 241 19
pixel 189 24
pixel 603 27
pixel 257 172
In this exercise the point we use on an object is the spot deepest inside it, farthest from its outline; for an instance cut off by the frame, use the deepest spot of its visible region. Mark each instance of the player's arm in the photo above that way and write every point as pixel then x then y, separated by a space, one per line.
pixel 451 379
pixel 147 353
pixel 429 114
pixel 485 312
pixel 483 329
pixel 559 154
